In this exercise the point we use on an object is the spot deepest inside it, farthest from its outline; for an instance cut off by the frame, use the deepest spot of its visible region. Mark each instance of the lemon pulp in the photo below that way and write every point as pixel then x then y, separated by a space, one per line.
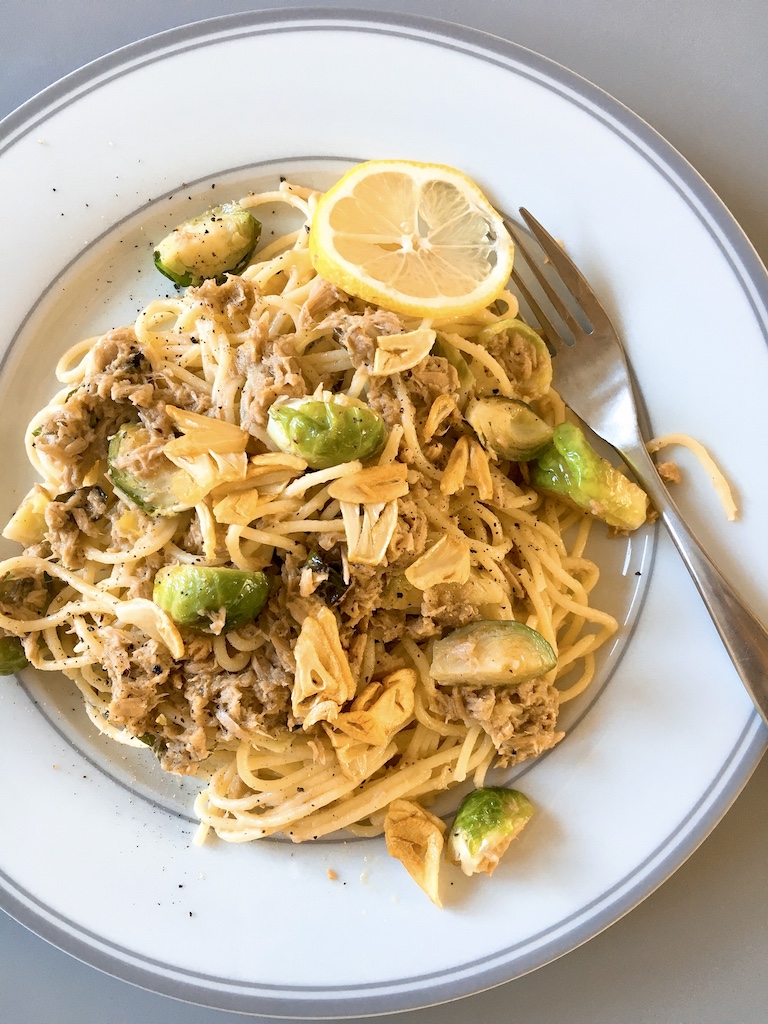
pixel 416 238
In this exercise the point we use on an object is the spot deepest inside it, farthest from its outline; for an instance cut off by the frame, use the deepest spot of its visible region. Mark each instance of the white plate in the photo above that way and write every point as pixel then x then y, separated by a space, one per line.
pixel 95 851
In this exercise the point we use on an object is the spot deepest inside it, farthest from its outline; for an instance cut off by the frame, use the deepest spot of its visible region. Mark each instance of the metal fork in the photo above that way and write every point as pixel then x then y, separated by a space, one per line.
pixel 595 381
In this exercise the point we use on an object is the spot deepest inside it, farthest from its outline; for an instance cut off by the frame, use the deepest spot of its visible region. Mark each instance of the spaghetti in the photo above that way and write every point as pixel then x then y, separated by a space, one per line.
pixel 198 373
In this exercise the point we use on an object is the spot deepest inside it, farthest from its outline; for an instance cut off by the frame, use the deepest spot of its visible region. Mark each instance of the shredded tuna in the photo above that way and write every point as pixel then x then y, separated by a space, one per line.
pixel 432 377
pixel 70 519
pixel 121 386
pixel 362 597
pixel 358 332
pixel 383 400
pixel 143 577
pixel 190 706
pixel 410 537
pixel 233 300
pixel 322 295
pixel 271 370
pixel 145 460
pixel 137 674
pixel 516 355
pixel 521 721
pixel 25 598
pixel 447 605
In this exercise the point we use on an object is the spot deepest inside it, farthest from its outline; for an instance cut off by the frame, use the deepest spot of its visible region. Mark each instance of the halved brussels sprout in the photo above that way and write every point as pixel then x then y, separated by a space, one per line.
pixel 196 596
pixel 444 348
pixel 326 432
pixel 220 241
pixel 572 470
pixel 151 484
pixel 12 656
pixel 485 824
pixel 508 428
pixel 157 744
pixel 527 357
pixel 491 653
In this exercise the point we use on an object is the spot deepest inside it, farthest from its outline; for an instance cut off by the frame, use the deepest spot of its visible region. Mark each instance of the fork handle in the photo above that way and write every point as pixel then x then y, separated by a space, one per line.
pixel 744 636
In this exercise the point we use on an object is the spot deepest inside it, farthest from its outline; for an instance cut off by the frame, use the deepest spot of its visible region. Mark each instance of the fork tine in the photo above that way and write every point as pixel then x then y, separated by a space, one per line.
pixel 546 326
pixel 572 277
pixel 557 303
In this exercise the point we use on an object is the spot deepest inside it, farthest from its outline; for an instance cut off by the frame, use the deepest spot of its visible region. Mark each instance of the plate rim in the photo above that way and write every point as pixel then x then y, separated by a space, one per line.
pixel 260 999
pixel 733 774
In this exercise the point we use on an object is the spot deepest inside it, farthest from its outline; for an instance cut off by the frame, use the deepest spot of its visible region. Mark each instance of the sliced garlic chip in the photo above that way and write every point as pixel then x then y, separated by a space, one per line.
pixel 455 472
pixel 440 410
pixel 468 465
pixel 153 621
pixel 415 838
pixel 273 461
pixel 397 352
pixel 274 470
pixel 203 434
pixel 241 508
pixel 380 710
pixel 203 472
pixel 323 681
pixel 368 529
pixel 371 486
pixel 480 471
pixel 447 561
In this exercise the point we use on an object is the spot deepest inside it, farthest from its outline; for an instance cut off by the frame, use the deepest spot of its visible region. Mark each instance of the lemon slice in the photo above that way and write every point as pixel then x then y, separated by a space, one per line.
pixel 419 239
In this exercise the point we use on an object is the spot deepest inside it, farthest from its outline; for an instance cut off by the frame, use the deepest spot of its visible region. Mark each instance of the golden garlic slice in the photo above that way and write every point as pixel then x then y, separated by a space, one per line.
pixel 415 838
pixel 398 352
pixel 323 681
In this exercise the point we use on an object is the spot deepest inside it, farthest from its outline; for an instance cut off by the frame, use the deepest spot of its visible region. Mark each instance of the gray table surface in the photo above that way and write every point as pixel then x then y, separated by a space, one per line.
pixel 697 70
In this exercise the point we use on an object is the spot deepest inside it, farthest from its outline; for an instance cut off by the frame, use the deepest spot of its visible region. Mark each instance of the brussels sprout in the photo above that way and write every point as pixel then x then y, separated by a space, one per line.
pixel 28 596
pixel 491 653
pixel 157 744
pixel 572 470
pixel 220 241
pixel 526 356
pixel 508 428
pixel 485 824
pixel 458 362
pixel 326 433
pixel 195 595
pixel 12 656
pixel 151 487
pixel 333 588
